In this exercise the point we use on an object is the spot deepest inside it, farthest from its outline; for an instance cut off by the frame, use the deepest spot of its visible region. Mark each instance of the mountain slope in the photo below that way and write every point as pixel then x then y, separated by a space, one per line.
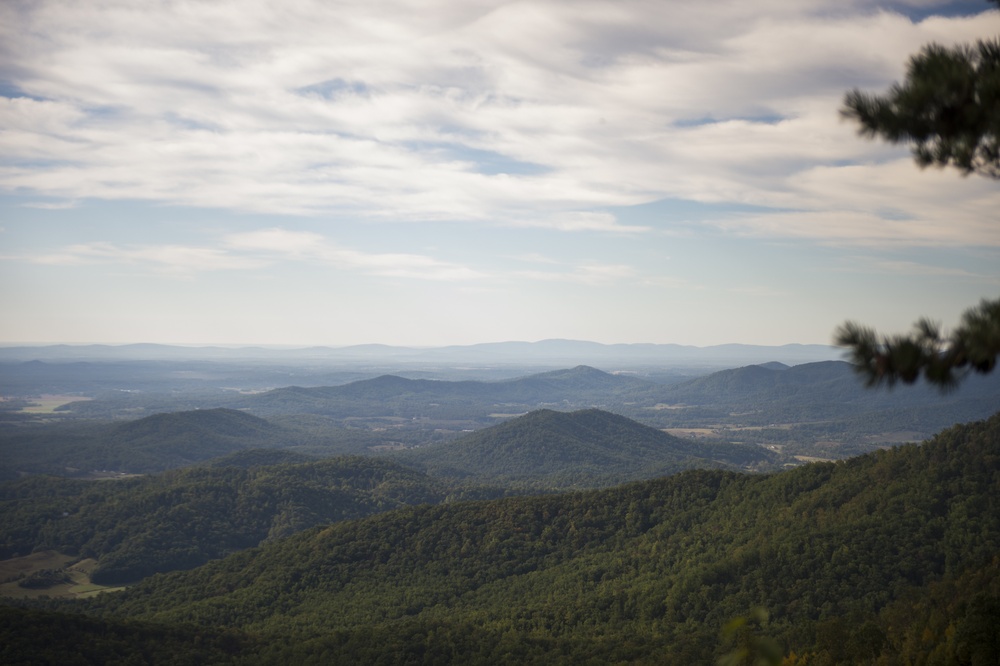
pixel 181 438
pixel 150 444
pixel 183 518
pixel 588 448
pixel 389 395
pixel 827 391
pixel 644 572
pixel 166 441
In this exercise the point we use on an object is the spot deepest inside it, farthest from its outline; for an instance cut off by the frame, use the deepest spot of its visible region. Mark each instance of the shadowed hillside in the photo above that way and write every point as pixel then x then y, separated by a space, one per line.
pixel 397 396
pixel 584 449
pixel 165 441
pixel 181 519
pixel 889 555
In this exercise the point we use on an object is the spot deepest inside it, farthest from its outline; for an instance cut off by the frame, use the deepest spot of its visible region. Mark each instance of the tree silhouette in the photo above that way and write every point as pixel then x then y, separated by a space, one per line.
pixel 943 361
pixel 948 108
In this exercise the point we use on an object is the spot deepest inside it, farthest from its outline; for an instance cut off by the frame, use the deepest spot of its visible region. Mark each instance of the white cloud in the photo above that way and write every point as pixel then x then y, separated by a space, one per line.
pixel 582 221
pixel 255 250
pixel 175 259
pixel 878 204
pixel 51 205
pixel 490 111
pixel 300 245
pixel 915 268
pixel 589 274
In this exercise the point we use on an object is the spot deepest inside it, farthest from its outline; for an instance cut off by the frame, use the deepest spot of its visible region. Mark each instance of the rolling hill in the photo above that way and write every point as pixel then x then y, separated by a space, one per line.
pixel 814 409
pixel 390 395
pixel 886 558
pixel 165 441
pixel 828 392
pixel 183 518
pixel 583 449
pixel 150 444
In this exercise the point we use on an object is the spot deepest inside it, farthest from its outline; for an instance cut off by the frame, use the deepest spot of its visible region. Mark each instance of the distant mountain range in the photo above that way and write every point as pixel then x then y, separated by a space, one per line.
pixel 391 395
pixel 544 352
pixel 771 403
pixel 773 393
pixel 751 395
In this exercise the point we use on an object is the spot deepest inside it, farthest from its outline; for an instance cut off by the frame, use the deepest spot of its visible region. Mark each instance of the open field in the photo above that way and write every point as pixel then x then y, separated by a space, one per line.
pixel 47 404
pixel 692 432
pixel 896 437
pixel 812 459
pixel 722 430
pixel 76 569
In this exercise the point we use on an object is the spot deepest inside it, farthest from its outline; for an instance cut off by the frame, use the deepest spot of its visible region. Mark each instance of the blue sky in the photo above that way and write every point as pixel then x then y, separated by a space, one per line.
pixel 453 172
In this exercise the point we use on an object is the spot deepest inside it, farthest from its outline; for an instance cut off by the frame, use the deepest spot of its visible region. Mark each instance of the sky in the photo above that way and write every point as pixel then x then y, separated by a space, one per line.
pixel 438 172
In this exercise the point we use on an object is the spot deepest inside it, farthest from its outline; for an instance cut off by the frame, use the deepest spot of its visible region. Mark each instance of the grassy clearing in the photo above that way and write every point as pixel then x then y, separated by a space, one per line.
pixel 902 437
pixel 78 571
pixel 812 459
pixel 692 432
pixel 47 404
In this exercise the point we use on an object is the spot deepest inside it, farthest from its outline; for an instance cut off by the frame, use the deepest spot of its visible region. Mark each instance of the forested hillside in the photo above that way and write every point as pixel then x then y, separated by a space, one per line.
pixel 892 555
pixel 585 449
pixel 824 391
pixel 814 409
pixel 181 519
pixel 400 397
pixel 164 441
pixel 150 444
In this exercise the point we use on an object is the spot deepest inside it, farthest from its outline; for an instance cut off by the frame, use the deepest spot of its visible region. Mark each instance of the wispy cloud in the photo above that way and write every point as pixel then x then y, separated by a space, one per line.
pixel 542 114
pixel 583 221
pixel 51 205
pixel 301 245
pixel 255 250
pixel 589 274
pixel 915 268
pixel 879 204
pixel 174 259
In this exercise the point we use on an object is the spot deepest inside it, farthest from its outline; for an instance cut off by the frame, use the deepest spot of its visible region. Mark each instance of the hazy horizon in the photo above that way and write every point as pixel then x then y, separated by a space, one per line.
pixel 16 343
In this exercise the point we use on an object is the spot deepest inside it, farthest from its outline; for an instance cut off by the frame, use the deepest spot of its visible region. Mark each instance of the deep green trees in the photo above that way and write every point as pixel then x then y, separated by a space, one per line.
pixel 948 109
pixel 851 560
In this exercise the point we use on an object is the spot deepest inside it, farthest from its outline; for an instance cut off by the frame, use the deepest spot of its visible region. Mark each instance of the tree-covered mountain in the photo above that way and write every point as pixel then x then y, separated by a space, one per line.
pixel 814 409
pixel 583 449
pixel 758 395
pixel 150 444
pixel 888 558
pixel 390 395
pixel 180 519
pixel 826 391
pixel 177 439
pixel 165 441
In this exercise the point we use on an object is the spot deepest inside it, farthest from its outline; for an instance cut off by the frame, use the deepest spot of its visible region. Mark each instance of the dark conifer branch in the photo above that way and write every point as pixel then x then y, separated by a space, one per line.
pixel 943 361
pixel 948 108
